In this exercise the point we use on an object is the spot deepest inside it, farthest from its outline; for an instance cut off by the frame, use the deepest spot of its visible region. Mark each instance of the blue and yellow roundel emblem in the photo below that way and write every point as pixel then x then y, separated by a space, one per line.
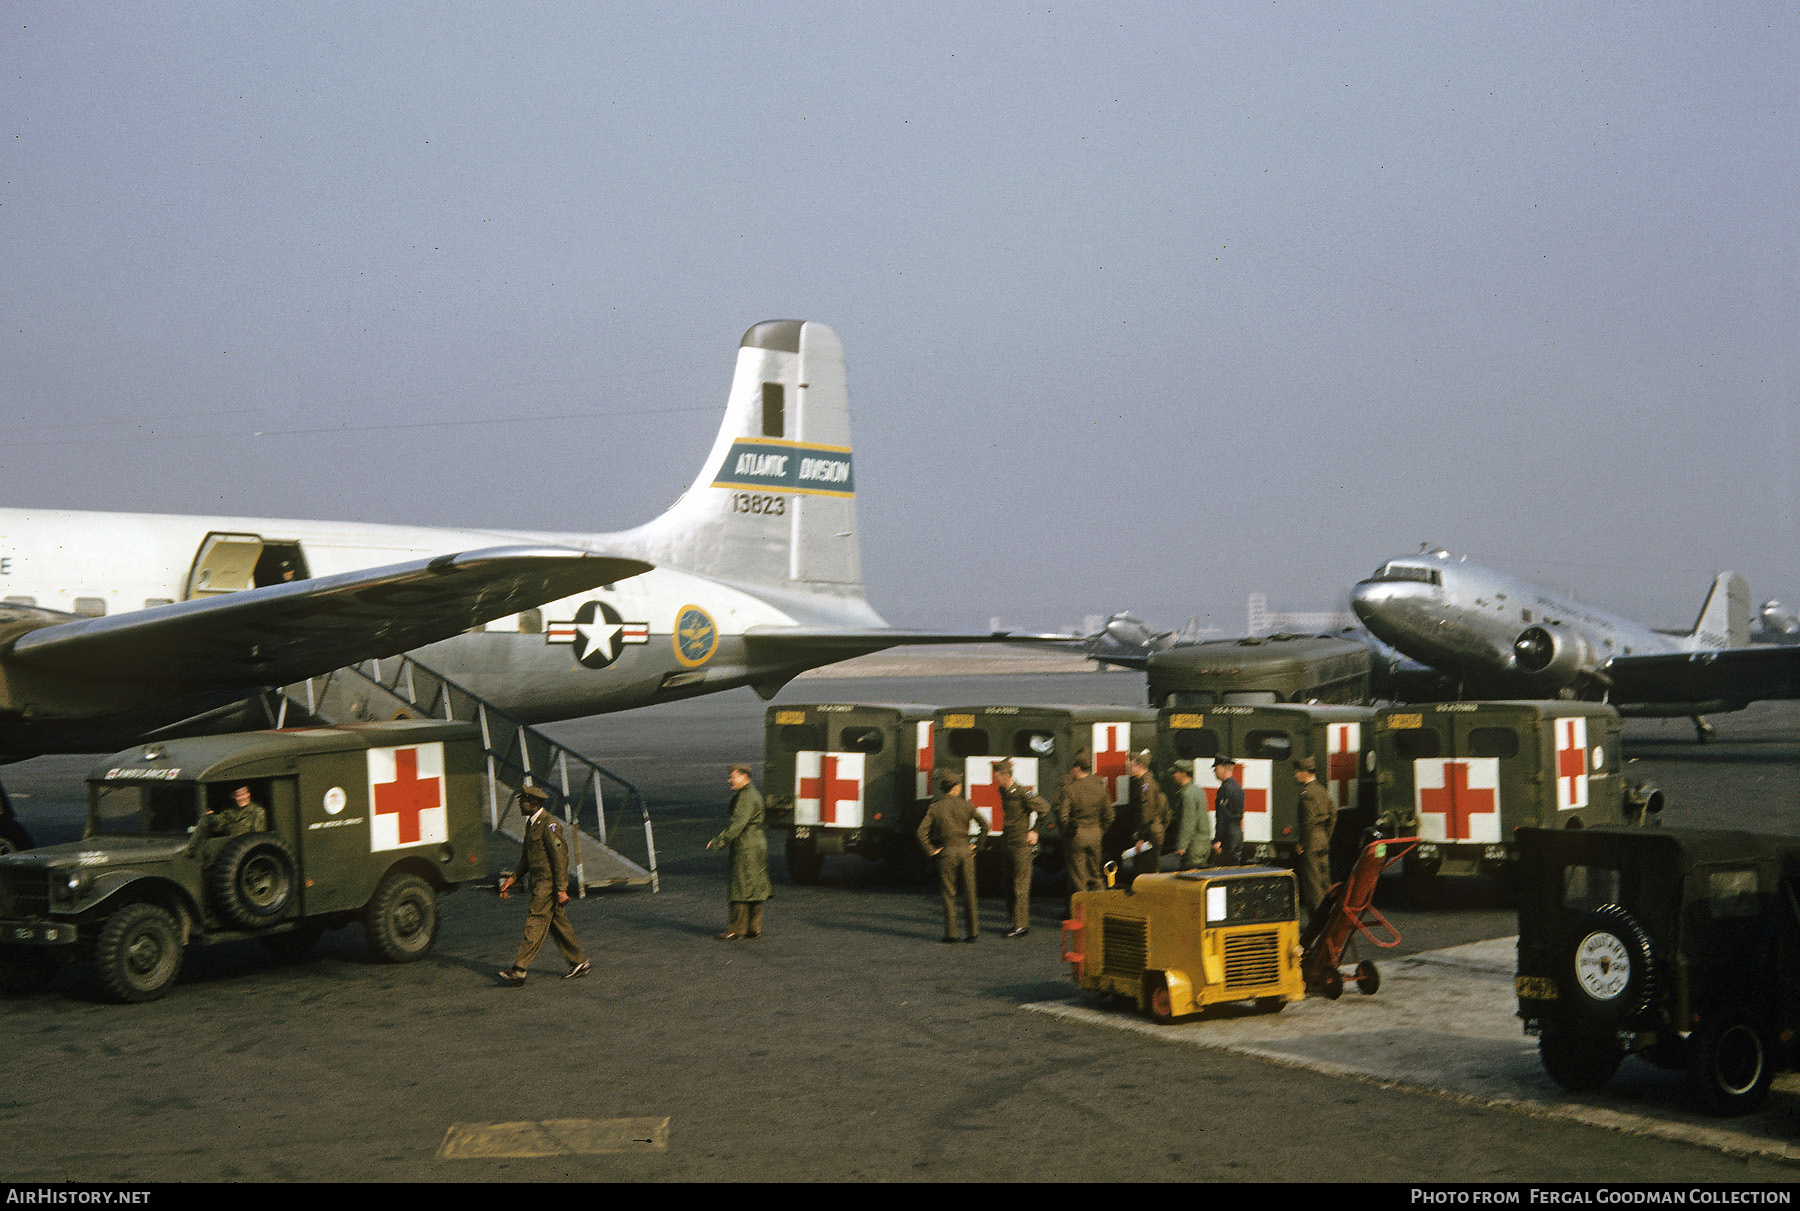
pixel 696 636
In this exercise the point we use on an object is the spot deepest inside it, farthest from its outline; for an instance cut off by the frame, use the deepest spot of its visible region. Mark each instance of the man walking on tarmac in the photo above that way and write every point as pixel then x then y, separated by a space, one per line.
pixel 545 856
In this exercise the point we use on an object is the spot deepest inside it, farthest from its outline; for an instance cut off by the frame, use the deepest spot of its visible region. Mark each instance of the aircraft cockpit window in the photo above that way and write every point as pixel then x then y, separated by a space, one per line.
pixel 968 741
pixel 1493 742
pixel 774 420
pixel 1033 744
pixel 1412 742
pixel 1278 746
pixel 860 740
pixel 1400 571
pixel 803 738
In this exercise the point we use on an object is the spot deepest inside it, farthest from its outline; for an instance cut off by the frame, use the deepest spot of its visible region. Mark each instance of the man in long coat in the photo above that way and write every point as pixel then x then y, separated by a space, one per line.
pixel 1084 811
pixel 1017 804
pixel 749 858
pixel 1194 845
pixel 1228 811
pixel 1318 819
pixel 545 856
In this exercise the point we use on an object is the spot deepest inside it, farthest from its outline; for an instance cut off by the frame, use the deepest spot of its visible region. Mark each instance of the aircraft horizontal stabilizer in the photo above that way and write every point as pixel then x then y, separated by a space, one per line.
pixel 1734 675
pixel 283 632
pixel 841 643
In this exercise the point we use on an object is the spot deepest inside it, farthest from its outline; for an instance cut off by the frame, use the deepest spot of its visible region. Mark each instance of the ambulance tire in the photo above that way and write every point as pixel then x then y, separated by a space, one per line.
pixel 402 918
pixel 252 880
pixel 138 953
pixel 1577 1060
pixel 1603 943
pixel 1731 1061
pixel 804 861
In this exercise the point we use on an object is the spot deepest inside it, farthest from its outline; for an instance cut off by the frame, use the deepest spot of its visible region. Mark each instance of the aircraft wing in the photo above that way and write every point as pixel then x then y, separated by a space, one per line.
pixel 841 643
pixel 1728 675
pixel 284 632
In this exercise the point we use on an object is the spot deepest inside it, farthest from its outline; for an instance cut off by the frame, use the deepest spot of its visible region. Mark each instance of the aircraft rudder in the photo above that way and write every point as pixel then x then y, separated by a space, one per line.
pixel 1724 620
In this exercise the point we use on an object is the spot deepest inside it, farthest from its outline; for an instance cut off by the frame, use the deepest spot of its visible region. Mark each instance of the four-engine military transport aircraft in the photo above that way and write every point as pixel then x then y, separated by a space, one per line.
pixel 117 624
pixel 1501 637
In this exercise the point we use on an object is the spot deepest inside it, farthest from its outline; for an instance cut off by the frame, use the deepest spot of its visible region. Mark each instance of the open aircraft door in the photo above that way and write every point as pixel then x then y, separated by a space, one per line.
pixel 226 563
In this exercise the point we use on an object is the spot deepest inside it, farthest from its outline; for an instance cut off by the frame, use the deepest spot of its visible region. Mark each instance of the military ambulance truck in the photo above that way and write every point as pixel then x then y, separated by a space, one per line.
pixel 1264 742
pixel 1275 668
pixel 847 778
pixel 367 822
pixel 1042 742
pixel 1464 776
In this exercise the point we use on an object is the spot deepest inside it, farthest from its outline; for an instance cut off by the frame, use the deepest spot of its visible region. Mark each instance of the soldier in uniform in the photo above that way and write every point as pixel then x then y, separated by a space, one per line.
pixel 944 835
pixel 1194 845
pixel 749 858
pixel 1228 809
pixel 1152 814
pixel 1318 818
pixel 1084 812
pixel 1017 803
pixel 545 856
pixel 245 815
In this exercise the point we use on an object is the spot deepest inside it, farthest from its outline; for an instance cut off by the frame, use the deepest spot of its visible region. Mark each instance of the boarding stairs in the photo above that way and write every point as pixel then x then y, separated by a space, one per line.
pixel 399 687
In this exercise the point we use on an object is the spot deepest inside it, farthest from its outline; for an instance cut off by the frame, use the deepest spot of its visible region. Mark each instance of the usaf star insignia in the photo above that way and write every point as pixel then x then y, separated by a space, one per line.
pixel 598 634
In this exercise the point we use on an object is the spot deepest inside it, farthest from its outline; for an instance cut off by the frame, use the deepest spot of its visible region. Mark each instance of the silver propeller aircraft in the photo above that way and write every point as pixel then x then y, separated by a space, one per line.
pixel 1496 636
pixel 117 624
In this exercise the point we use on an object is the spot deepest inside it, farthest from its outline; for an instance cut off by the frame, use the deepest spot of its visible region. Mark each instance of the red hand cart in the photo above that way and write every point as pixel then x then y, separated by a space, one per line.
pixel 1345 914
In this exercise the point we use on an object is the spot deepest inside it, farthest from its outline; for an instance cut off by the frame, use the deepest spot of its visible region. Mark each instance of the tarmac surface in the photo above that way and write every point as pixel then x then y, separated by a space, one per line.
pixel 847 1044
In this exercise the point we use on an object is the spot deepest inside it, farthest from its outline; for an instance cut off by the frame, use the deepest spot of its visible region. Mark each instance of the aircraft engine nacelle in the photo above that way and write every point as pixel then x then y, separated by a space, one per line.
pixel 1556 654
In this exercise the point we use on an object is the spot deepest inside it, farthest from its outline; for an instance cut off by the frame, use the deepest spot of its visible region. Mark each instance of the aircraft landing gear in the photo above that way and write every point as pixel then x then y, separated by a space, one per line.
pixel 1704 732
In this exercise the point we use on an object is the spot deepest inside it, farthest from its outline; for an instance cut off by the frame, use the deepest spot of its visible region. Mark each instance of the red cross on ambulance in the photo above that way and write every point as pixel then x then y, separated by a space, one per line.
pixel 922 763
pixel 1571 763
pixel 981 790
pixel 1458 798
pixel 1344 745
pixel 828 789
pixel 1257 777
pixel 1112 749
pixel 406 797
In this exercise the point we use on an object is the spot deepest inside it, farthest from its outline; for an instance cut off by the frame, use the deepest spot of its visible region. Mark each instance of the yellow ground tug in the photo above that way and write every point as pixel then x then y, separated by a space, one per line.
pixel 1175 944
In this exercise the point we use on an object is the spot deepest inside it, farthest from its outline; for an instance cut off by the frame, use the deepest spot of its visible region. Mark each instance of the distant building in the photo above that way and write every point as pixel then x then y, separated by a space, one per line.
pixel 1263 621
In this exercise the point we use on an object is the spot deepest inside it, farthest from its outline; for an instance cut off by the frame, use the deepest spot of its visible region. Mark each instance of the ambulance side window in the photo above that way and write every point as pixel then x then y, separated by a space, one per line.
pixel 1733 893
pixel 1413 742
pixel 1276 745
pixel 1493 742
pixel 1191 698
pixel 969 742
pixel 1033 744
pixel 860 740
pixel 1586 887
pixel 1193 743
pixel 803 737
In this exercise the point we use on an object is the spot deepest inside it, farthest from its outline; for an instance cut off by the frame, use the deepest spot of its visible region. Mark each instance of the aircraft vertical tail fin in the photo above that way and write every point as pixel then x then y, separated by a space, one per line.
pixel 774 505
pixel 1724 620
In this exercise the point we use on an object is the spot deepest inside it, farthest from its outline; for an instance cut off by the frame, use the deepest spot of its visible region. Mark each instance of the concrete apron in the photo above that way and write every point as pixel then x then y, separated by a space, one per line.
pixel 1442 1023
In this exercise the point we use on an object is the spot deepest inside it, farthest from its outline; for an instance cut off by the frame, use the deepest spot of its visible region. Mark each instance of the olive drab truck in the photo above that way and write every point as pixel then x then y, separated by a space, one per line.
pixel 1263 743
pixel 1175 944
pixel 1254 671
pixel 1678 945
pixel 365 823
pixel 1042 742
pixel 847 778
pixel 1464 776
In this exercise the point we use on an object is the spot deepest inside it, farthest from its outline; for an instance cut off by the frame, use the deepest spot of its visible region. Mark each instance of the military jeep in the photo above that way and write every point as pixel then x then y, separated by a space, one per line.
pixel 1681 946
pixel 364 823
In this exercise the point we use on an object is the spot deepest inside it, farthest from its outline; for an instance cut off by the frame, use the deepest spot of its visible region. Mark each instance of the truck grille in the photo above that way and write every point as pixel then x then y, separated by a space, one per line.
pixel 1123 945
pixel 24 893
pixel 1252 959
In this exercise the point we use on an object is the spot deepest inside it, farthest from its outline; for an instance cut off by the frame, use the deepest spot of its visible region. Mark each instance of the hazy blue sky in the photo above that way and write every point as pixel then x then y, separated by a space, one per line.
pixel 1145 305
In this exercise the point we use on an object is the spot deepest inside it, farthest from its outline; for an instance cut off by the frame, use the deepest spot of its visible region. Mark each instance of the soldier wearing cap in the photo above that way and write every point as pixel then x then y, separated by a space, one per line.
pixel 749 887
pixel 1194 844
pixel 1317 817
pixel 944 835
pixel 1152 812
pixel 1084 812
pixel 1228 810
pixel 545 856
pixel 1017 805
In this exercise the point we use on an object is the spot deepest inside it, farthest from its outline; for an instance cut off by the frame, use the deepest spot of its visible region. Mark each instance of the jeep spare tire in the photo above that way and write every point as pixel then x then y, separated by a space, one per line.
pixel 1609 974
pixel 252 880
